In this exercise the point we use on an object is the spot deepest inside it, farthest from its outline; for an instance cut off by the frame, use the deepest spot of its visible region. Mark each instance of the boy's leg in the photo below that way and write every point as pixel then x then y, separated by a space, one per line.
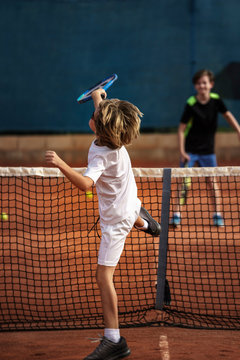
pixel 212 183
pixel 216 195
pixel 104 277
pixel 176 218
pixel 211 161
pixel 140 223
pixel 112 346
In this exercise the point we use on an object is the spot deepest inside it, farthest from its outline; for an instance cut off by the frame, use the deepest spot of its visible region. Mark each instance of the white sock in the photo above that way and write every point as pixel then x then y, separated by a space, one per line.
pixel 144 227
pixel 112 335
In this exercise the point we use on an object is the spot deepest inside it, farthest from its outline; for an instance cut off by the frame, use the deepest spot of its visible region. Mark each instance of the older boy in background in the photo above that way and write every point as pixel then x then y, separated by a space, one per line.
pixel 196 134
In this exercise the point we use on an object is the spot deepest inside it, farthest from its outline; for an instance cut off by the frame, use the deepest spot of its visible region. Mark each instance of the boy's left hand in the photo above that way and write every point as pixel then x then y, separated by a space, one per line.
pixel 52 158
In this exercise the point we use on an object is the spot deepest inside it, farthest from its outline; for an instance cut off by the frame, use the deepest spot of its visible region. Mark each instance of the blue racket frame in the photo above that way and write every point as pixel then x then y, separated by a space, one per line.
pixel 105 84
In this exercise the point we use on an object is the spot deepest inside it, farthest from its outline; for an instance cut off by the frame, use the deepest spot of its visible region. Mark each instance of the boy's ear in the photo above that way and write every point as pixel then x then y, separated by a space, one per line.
pixel 212 84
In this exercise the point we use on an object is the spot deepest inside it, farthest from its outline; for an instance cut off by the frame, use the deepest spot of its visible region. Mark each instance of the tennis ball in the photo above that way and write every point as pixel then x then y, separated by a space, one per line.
pixel 4 216
pixel 89 195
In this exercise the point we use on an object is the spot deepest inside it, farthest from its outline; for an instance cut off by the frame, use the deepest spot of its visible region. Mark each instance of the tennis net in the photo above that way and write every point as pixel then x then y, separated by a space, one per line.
pixel 49 239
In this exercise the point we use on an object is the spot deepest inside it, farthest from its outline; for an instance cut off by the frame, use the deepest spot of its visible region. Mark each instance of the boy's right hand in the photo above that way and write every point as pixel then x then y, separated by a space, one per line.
pixel 184 157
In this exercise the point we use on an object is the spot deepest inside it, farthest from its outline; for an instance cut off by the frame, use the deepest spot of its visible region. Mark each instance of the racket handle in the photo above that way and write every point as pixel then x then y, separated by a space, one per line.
pixel 103 96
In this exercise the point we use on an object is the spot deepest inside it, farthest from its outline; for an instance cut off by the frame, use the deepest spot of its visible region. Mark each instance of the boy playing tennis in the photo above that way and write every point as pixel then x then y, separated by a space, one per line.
pixel 196 134
pixel 116 123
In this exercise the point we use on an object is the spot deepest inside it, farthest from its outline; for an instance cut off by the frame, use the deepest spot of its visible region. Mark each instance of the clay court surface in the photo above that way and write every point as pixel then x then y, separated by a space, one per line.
pixel 159 343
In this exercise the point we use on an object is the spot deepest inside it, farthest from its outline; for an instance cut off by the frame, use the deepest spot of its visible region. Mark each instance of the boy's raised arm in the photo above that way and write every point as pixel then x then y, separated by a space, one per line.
pixel 80 181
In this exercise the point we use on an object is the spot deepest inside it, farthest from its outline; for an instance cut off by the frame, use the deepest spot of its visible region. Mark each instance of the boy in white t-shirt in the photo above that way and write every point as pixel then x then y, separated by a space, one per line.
pixel 116 123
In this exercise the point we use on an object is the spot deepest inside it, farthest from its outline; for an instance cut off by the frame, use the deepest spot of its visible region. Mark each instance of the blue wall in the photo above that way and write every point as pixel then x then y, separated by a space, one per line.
pixel 52 50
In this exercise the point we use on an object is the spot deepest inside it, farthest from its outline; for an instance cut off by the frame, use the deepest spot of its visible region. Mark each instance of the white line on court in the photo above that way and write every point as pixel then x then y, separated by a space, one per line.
pixel 164 349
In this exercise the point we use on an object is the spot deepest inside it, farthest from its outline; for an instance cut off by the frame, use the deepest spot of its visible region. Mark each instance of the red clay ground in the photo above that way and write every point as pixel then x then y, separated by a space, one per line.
pixel 145 343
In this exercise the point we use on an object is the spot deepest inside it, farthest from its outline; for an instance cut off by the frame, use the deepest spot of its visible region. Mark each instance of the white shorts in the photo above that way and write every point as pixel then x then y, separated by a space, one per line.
pixel 113 239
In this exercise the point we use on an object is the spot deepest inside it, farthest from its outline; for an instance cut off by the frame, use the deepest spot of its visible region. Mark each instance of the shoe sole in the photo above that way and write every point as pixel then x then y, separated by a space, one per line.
pixel 119 356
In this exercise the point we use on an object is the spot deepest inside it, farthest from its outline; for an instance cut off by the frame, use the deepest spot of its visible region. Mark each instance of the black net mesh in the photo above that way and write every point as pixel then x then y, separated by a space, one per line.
pixel 49 241
pixel 203 266
pixel 49 246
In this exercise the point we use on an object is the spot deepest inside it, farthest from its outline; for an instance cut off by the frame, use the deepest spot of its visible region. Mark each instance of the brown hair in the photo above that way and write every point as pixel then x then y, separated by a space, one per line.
pixel 201 73
pixel 117 123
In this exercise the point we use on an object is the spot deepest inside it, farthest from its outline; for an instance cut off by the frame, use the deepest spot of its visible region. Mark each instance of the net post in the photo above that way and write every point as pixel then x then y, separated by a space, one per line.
pixel 163 240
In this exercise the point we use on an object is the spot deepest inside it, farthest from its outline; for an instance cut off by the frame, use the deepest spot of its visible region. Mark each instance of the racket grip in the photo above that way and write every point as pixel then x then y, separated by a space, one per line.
pixel 103 96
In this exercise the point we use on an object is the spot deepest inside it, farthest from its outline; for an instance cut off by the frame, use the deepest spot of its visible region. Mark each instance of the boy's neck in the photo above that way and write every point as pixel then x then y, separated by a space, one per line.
pixel 203 98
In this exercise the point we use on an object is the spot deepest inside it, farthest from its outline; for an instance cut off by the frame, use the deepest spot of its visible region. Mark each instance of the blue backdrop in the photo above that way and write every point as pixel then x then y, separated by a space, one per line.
pixel 53 50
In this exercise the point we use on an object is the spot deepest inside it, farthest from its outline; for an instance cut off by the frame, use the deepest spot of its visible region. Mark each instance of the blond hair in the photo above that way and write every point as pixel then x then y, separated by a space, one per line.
pixel 117 123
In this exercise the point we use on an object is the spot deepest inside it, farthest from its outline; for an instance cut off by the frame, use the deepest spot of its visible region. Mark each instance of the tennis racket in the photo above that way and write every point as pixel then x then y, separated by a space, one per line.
pixel 186 185
pixel 104 84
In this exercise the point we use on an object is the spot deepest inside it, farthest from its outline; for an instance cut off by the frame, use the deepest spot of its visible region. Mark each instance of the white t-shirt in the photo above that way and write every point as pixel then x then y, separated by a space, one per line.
pixel 112 173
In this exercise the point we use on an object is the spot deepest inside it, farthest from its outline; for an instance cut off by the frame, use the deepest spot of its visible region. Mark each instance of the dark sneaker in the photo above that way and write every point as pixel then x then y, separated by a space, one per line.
pixel 154 227
pixel 108 350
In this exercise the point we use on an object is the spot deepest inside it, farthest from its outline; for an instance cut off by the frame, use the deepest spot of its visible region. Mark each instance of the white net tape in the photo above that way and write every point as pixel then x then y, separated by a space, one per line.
pixel 138 172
